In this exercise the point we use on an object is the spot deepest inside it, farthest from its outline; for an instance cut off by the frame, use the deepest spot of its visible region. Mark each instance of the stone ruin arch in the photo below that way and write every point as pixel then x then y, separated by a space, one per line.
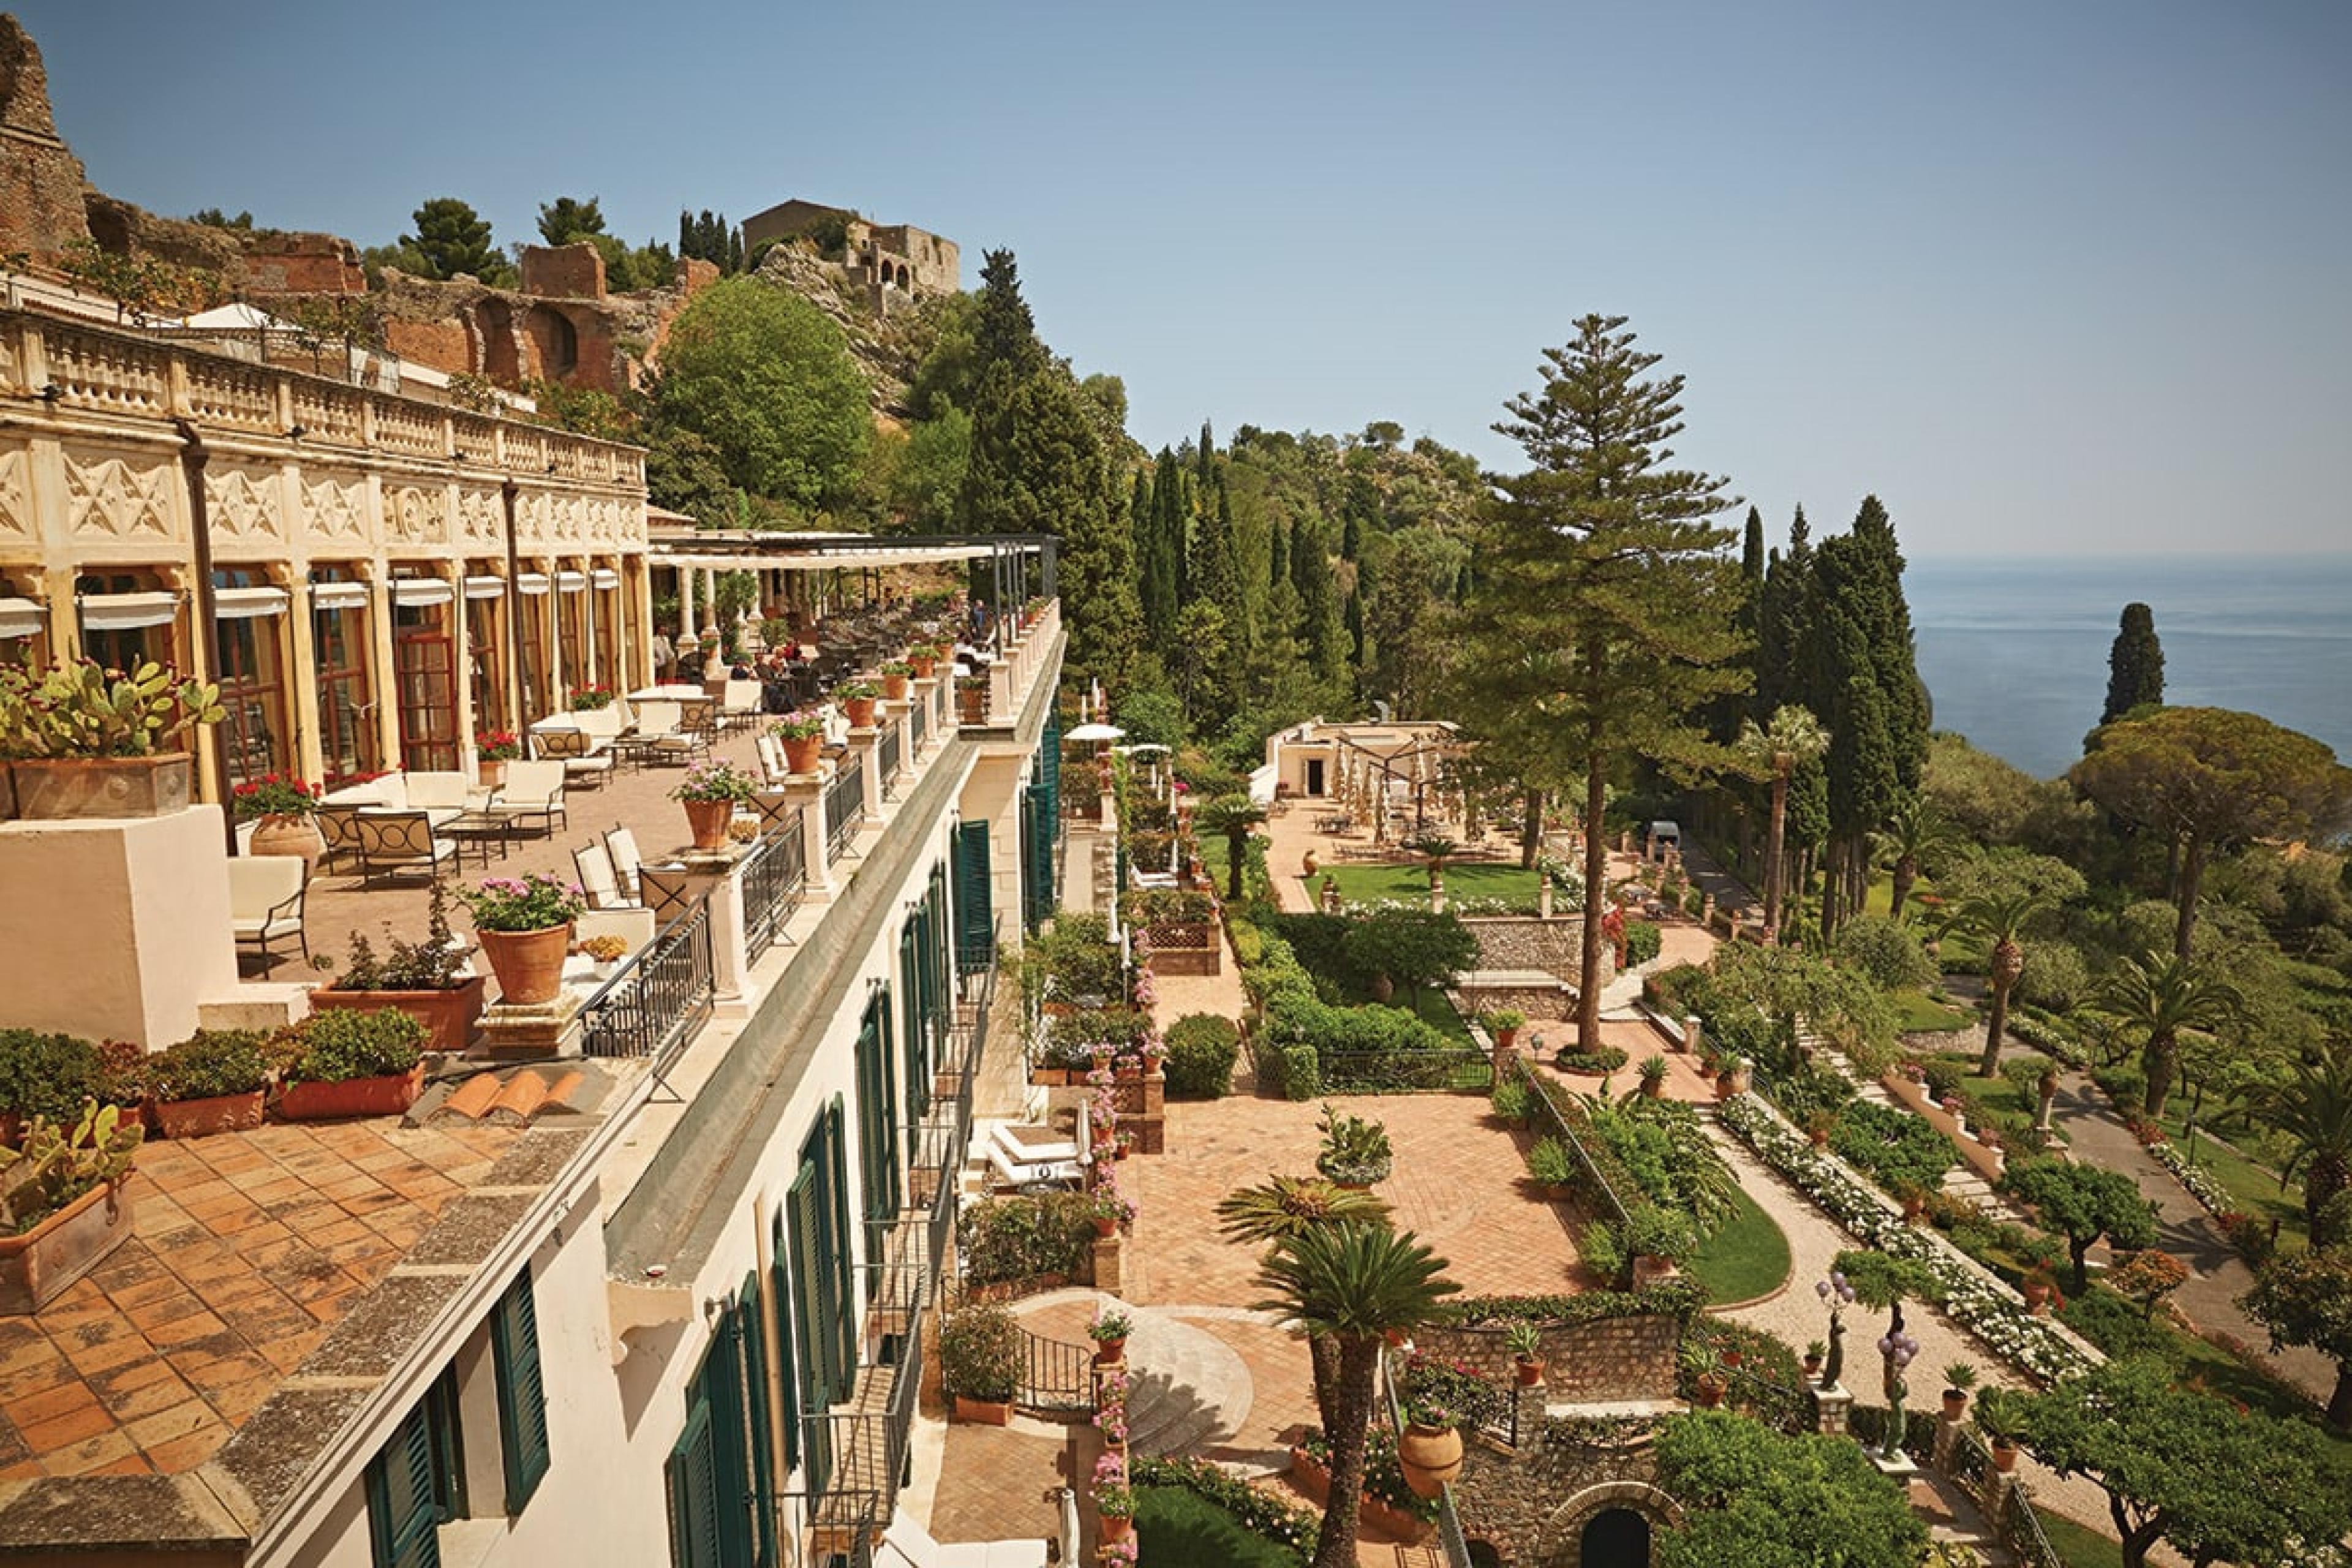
pixel 1570 1527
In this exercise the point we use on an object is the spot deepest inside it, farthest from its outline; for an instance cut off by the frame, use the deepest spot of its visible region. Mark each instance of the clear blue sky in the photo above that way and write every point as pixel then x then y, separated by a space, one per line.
pixel 2049 277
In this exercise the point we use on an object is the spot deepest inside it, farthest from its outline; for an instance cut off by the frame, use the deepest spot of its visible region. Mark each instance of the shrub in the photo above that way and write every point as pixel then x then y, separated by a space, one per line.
pixel 1302 1072
pixel 49 1074
pixel 1652 1230
pixel 1509 1099
pixel 1021 1237
pixel 1643 940
pixel 1893 1148
pixel 1607 1059
pixel 342 1044
pixel 979 1352
pixel 1412 947
pixel 1549 1162
pixel 1889 954
pixel 210 1063
pixel 2116 1326
pixel 1201 1050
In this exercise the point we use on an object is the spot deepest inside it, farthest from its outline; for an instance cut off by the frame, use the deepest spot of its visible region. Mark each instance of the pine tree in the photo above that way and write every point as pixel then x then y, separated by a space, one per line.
pixel 2134 664
pixel 453 237
pixel 1602 619
pixel 1158 570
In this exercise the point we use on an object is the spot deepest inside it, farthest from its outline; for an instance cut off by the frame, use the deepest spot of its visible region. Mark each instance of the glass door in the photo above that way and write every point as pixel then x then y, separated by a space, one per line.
pixel 422 657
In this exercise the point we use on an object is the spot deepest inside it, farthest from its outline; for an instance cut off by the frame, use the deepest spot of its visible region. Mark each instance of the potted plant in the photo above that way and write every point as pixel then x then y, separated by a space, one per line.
pixel 353 1064
pixel 1819 1125
pixel 1428 1450
pixel 1958 1378
pixel 430 980
pixel 46 1075
pixel 972 698
pixel 1115 1502
pixel 1708 1384
pixel 980 1362
pixel 590 698
pixel 923 658
pixel 1816 1352
pixel 605 951
pixel 710 792
pixel 1356 1151
pixel 1997 1414
pixel 801 735
pixel 856 698
pixel 63 1207
pixel 1661 1240
pixel 1913 1199
pixel 280 807
pixel 1510 1099
pixel 210 1082
pixel 1109 1209
pixel 1552 1167
pixel 1505 1024
pixel 493 749
pixel 525 925
pixel 88 742
pixel 896 677
pixel 1525 1342
pixel 1109 1331
pixel 1653 1070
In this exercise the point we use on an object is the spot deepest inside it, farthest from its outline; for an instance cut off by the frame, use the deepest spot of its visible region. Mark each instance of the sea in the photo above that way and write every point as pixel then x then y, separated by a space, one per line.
pixel 2014 652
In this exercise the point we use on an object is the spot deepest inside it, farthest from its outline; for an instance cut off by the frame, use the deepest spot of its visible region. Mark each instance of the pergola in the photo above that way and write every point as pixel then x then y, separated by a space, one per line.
pixel 1376 763
pixel 1020 563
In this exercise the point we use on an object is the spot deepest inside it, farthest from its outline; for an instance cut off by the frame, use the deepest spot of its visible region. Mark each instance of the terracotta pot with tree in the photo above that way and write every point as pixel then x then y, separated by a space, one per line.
pixel 525 926
pixel 1959 1379
pixel 281 809
pixel 980 1362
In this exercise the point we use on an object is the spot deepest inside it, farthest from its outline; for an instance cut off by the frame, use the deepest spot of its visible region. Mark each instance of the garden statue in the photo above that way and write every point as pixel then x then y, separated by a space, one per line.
pixel 1898 1348
pixel 1839 1295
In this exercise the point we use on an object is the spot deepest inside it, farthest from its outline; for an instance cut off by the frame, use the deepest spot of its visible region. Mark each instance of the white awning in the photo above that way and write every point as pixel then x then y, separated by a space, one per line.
pixel 486 588
pixel 127 612
pixel 22 618
pixel 605 577
pixel 531 583
pixel 338 595
pixel 571 582
pixel 418 591
pixel 244 603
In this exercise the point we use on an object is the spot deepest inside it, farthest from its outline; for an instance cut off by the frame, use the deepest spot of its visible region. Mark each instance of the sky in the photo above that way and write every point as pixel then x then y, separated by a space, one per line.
pixel 2048 279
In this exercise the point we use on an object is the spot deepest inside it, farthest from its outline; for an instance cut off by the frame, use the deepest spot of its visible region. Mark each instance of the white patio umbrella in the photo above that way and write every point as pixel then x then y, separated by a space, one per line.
pixel 1095 730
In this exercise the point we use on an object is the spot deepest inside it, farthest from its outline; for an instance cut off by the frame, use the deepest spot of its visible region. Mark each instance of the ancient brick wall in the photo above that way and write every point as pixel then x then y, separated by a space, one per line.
pixel 40 179
pixel 302 264
pixel 563 271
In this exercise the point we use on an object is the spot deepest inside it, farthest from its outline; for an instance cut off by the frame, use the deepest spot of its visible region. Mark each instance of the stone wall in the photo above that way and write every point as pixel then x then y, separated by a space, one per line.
pixel 303 264
pixel 1607 1360
pixel 40 179
pixel 1527 942
pixel 1532 1506
pixel 563 271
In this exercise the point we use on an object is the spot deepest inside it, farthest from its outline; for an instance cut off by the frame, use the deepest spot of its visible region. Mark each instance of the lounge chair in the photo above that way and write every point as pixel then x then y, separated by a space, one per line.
pixel 583 765
pixel 620 849
pixel 265 900
pixel 400 842
pixel 595 867
pixel 533 789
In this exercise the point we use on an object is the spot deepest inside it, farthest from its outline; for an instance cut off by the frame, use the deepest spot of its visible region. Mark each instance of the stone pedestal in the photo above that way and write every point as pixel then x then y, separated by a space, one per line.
pixel 866 744
pixel 115 930
pixel 1831 1406
pixel 1898 1469
pixel 807 793
pixel 1110 1262
pixel 534 1032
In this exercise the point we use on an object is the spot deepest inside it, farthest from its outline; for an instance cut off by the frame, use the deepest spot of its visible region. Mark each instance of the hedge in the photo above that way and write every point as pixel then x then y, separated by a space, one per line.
pixel 1201 1050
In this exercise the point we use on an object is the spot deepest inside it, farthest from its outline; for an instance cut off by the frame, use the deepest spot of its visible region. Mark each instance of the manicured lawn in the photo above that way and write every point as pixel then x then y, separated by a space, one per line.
pixel 1479 880
pixel 1744 1257
pixel 2078 1546
pixel 2255 1189
pixel 1917 1013
pixel 1179 1528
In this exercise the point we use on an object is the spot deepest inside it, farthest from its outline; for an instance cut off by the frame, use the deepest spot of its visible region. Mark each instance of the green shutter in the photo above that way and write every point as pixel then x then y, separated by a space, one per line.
pixel 780 1288
pixel 840 1277
pixel 693 1477
pixel 762 1446
pixel 811 1313
pixel 1049 766
pixel 403 1518
pixel 975 922
pixel 915 976
pixel 522 1392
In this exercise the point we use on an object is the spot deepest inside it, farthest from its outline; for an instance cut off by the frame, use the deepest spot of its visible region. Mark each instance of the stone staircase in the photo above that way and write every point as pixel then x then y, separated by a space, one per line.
pixel 1189 1387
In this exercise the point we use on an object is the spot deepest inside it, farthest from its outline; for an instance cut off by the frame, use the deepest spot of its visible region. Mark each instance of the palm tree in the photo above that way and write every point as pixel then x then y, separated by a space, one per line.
pixel 1793 737
pixel 1282 1207
pixel 2314 1109
pixel 1436 850
pixel 1915 832
pixel 1352 1284
pixel 2001 919
pixel 2156 998
pixel 1233 816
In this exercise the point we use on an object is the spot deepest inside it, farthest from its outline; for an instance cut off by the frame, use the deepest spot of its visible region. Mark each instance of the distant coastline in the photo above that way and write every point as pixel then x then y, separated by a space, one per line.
pixel 2014 650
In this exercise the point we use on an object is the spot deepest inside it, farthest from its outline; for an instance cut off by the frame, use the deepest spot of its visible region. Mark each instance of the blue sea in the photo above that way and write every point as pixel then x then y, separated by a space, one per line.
pixel 2014 653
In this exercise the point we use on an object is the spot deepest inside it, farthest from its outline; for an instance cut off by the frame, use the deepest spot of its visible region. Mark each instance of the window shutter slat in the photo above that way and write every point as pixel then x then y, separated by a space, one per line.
pixel 522 1393
pixel 975 922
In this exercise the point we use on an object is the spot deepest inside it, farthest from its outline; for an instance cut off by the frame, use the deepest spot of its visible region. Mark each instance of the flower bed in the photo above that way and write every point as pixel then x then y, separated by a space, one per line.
pixel 1973 1298
pixel 1258 1510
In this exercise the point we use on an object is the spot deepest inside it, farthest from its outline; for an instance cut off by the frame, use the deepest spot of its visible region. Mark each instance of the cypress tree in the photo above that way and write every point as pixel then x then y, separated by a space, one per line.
pixel 2134 664
pixel 1158 578
pixel 1279 563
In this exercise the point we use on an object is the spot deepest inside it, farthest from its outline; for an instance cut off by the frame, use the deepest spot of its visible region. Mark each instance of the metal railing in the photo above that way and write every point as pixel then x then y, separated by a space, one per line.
pixel 774 876
pixel 2020 1530
pixel 845 806
pixel 918 723
pixel 891 751
pixel 1546 1119
pixel 1450 1540
pixel 660 998
pixel 1058 1378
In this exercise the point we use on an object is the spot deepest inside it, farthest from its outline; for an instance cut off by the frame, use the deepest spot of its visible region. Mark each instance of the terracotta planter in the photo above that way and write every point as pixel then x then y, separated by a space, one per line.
pixel 490 772
pixel 8 794
pixel 707 820
pixel 1105 1225
pixel 972 706
pixel 1812 1366
pixel 1710 1392
pixel 803 754
pixel 1049 1078
pixel 894 687
pixel 1648 1270
pixel 1430 1457
pixel 1529 1373
pixel 1956 1405
pixel 202 1118
pixel 68 789
pixel 923 666
pixel 529 964
pixel 448 1015
pixel 2037 1298
pixel 1107 1351
pixel 39 1263
pixel 983 1412
pixel 277 833
pixel 1654 1089
pixel 861 713
pixel 2004 1455
pixel 1115 1529
pixel 389 1094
